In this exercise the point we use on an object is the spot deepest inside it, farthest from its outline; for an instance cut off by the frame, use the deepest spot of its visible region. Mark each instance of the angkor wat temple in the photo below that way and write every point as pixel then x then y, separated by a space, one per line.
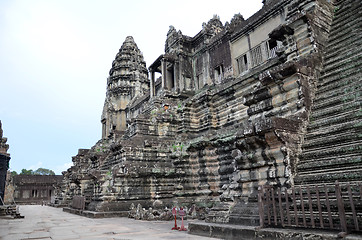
pixel 272 100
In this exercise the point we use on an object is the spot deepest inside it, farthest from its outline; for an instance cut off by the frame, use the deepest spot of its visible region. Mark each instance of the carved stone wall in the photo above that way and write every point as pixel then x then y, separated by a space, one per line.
pixel 35 189
pixel 223 121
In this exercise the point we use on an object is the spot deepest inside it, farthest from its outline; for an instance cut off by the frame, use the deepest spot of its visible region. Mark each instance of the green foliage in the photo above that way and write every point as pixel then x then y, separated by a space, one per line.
pixel 44 171
pixel 14 173
pixel 101 149
pixel 39 171
pixel 177 147
pixel 26 172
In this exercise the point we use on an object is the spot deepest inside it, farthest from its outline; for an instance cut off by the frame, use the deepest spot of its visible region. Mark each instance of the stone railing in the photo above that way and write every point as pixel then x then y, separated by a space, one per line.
pixel 257 55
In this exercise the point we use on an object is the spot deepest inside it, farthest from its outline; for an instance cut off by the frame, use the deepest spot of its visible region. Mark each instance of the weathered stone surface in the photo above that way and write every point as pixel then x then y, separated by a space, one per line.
pixel 4 163
pixel 35 189
pixel 333 142
pixel 229 113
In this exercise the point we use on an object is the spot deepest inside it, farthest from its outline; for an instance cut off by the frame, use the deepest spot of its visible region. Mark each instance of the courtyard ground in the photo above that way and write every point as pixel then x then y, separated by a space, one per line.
pixel 43 222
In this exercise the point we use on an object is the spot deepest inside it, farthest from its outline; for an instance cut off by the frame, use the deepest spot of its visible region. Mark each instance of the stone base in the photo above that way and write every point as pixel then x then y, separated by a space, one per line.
pixel 91 214
pixel 10 211
pixel 239 232
pixel 57 205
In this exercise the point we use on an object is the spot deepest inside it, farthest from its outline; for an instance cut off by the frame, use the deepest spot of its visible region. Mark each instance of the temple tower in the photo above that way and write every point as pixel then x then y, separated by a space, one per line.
pixel 128 80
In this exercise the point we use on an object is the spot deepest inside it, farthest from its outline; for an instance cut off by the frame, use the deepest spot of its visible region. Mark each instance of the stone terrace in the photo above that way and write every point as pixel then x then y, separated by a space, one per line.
pixel 43 222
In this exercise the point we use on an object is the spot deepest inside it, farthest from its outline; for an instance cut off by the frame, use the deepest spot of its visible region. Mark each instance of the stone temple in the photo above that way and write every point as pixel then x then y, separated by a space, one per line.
pixel 273 100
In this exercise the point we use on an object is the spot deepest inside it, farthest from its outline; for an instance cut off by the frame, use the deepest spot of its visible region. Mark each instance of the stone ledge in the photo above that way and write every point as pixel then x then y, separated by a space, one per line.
pixel 239 232
pixel 91 214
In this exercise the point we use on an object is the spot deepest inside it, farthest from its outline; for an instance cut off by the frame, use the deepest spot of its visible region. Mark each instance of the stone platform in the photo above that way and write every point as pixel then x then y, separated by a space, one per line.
pixel 92 214
pixel 239 232
pixel 43 222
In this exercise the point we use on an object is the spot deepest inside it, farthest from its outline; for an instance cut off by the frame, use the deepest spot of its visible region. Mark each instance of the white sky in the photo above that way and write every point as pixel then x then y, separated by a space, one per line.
pixel 54 61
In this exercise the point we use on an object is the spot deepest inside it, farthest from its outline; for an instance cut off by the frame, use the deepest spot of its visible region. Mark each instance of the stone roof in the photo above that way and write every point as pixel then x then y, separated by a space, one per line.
pixel 37 179
pixel 129 58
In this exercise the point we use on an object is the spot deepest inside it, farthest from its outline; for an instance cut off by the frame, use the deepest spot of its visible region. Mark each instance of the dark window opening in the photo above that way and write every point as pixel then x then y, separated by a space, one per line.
pixel 272 43
pixel 219 73
pixel 242 63
pixel 170 78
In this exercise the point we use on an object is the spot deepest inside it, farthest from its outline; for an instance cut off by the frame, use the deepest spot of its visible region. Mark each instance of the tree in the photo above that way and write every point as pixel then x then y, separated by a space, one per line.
pixel 26 172
pixel 13 173
pixel 44 171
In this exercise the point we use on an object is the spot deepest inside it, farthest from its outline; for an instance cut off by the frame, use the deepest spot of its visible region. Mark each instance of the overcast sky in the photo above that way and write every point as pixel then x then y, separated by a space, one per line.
pixel 54 61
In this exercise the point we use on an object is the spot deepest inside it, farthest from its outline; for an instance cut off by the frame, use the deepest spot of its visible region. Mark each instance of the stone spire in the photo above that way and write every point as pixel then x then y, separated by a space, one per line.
pixel 128 79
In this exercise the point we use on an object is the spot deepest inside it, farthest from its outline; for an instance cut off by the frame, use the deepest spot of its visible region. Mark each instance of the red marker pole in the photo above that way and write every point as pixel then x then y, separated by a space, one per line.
pixel 174 212
pixel 182 213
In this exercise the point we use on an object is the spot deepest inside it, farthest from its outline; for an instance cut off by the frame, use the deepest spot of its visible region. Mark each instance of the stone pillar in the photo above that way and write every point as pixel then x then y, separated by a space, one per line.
pixel 176 74
pixel 152 84
pixel 4 166
pixel 164 73
pixel 122 120
pixel 104 128
pixel 180 78
pixel 4 163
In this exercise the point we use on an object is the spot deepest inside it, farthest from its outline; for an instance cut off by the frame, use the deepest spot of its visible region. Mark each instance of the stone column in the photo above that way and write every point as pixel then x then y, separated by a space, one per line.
pixel 180 78
pixel 4 166
pixel 152 84
pixel 176 74
pixel 104 128
pixel 164 73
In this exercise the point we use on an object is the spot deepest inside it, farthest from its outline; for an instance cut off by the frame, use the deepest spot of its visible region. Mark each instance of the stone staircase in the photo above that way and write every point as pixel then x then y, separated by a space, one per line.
pixel 10 210
pixel 333 144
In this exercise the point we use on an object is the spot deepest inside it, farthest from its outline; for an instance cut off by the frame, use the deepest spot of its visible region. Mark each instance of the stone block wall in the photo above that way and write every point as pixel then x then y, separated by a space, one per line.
pixel 210 145
pixel 35 189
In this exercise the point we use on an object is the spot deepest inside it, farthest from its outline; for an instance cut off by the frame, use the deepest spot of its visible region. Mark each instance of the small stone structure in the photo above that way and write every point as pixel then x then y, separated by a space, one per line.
pixel 4 163
pixel 270 100
pixel 35 189
pixel 9 189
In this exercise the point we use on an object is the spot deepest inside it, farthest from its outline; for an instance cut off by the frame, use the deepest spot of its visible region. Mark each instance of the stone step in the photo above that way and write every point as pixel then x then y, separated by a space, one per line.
pixel 343 35
pixel 342 51
pixel 336 88
pixel 340 122
pixel 345 18
pixel 328 162
pixel 348 24
pixel 342 113
pixel 331 176
pixel 340 99
pixel 338 83
pixel 344 14
pixel 355 58
pixel 333 138
pixel 342 70
pixel 339 149
pixel 332 148
pixel 333 143
pixel 346 102
pixel 10 210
